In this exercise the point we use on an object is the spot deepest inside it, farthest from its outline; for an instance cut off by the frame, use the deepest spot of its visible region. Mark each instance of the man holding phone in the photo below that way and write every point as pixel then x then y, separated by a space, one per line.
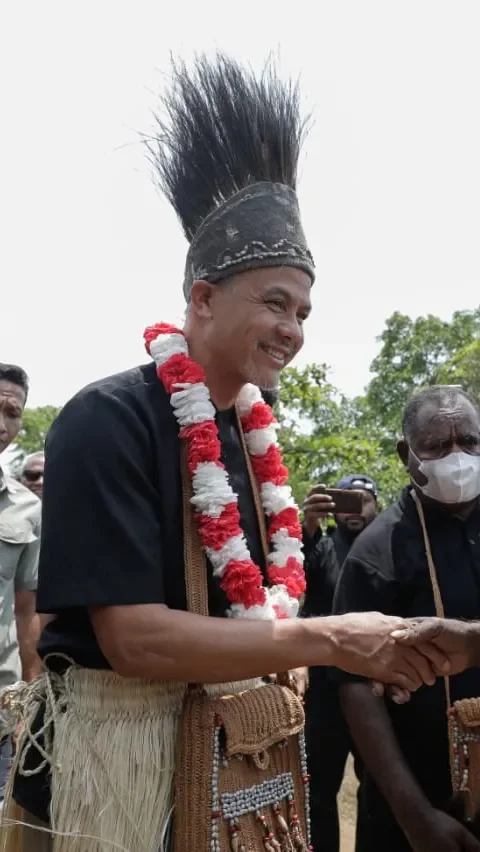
pixel 354 506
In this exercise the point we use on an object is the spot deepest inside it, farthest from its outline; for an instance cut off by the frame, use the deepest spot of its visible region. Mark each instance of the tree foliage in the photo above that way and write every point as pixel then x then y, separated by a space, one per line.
pixel 325 435
pixel 36 423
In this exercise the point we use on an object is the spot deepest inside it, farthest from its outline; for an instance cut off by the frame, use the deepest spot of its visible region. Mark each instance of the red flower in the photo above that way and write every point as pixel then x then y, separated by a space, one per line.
pixel 215 532
pixel 291 575
pixel 178 370
pixel 152 332
pixel 269 467
pixel 288 520
pixel 202 443
pixel 260 416
pixel 242 580
pixel 242 583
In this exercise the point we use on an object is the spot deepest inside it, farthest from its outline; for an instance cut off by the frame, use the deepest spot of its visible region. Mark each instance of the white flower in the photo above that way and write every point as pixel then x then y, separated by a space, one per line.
pixel 192 404
pixel 234 548
pixel 247 398
pixel 275 498
pixel 166 345
pixel 259 440
pixel 211 489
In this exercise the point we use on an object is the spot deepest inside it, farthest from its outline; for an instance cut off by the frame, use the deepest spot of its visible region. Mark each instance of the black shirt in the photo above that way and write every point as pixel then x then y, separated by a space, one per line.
pixel 387 571
pixel 324 557
pixel 112 517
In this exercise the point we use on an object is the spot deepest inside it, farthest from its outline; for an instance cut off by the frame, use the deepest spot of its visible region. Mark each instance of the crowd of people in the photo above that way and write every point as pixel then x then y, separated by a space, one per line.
pixel 166 508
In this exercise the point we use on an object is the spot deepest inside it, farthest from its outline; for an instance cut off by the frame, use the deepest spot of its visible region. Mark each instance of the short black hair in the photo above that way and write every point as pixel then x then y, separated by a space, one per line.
pixel 14 374
pixel 439 395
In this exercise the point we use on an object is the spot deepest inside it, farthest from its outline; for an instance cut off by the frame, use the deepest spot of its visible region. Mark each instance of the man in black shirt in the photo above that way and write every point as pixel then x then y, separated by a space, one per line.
pixel 112 565
pixel 407 786
pixel 328 738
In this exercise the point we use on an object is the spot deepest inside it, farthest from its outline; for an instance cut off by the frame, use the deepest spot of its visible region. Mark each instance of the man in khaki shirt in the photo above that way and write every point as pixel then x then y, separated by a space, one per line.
pixel 19 547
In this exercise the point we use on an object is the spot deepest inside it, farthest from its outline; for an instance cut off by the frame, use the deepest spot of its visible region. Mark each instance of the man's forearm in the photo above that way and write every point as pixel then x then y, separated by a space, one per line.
pixel 152 641
pixel 174 645
pixel 370 724
pixel 28 634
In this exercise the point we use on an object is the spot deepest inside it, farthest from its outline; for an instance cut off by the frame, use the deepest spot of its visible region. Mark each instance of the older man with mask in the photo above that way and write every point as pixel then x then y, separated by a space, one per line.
pixel 419 558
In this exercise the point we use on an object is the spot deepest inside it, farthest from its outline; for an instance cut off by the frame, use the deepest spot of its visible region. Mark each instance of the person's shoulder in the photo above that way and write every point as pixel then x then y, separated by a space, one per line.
pixel 123 409
pixel 20 511
pixel 129 394
pixel 373 545
pixel 133 383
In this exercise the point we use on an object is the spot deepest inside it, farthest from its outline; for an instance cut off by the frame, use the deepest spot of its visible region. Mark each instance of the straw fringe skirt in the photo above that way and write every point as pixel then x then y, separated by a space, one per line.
pixel 112 764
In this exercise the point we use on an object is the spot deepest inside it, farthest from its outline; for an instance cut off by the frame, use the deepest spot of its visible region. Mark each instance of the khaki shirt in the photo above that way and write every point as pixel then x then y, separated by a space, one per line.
pixel 20 514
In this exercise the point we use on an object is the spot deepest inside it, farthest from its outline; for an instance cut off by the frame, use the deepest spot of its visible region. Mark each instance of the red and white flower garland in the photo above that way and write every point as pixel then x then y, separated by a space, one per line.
pixel 214 501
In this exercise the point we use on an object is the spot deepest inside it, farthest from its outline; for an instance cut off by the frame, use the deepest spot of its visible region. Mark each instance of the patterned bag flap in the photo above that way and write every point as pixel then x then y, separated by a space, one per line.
pixel 467 712
pixel 255 720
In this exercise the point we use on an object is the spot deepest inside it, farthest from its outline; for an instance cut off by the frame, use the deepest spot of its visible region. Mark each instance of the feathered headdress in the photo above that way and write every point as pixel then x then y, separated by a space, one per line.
pixel 226 155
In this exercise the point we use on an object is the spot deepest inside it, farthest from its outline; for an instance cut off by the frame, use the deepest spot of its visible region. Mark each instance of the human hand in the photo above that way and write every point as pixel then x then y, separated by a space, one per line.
pixel 389 690
pixel 364 645
pixel 456 639
pixel 317 505
pixel 300 678
pixel 436 831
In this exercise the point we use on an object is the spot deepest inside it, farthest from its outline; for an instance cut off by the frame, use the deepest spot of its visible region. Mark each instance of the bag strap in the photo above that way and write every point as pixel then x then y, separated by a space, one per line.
pixel 437 596
pixel 194 556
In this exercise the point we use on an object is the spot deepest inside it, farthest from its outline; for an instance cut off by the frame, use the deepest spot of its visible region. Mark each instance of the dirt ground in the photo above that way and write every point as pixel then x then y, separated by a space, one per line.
pixel 348 809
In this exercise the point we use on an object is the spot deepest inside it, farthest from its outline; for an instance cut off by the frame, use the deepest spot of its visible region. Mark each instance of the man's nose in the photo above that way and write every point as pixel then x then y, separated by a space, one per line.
pixel 291 331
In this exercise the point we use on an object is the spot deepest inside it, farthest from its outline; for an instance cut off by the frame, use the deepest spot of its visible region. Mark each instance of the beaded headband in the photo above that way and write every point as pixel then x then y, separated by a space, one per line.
pixel 259 226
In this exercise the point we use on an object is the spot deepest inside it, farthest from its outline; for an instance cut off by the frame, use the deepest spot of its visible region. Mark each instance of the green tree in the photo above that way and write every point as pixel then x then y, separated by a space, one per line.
pixel 36 423
pixel 413 353
pixel 325 436
pixel 464 369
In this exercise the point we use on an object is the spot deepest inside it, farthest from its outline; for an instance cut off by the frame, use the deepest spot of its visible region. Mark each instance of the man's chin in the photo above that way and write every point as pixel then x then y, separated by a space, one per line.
pixel 355 526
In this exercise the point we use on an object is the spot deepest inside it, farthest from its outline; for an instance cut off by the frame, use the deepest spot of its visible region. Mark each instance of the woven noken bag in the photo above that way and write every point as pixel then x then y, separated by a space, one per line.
pixel 463 718
pixel 241 779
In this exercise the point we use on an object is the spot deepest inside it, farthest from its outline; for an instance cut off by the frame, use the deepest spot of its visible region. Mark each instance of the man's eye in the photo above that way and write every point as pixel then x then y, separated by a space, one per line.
pixel 276 303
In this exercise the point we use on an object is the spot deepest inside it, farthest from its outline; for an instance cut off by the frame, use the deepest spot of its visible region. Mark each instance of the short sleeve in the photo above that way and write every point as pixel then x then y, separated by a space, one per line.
pixel 26 575
pixel 101 535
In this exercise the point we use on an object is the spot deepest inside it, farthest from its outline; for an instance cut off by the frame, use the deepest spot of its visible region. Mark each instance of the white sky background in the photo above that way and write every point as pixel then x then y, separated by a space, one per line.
pixel 390 179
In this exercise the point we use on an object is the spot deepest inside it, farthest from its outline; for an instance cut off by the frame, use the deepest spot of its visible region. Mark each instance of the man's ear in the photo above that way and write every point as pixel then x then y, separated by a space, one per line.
pixel 402 450
pixel 201 297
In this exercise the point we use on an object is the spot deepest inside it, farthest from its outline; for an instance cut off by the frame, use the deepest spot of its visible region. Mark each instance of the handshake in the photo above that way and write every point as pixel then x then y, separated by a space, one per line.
pixel 403 653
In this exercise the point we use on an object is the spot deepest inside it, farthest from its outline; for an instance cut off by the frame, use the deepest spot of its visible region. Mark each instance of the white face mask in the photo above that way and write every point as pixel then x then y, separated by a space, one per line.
pixel 453 479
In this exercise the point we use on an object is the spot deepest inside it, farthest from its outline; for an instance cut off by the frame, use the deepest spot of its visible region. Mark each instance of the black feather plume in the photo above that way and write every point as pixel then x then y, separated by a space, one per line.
pixel 221 128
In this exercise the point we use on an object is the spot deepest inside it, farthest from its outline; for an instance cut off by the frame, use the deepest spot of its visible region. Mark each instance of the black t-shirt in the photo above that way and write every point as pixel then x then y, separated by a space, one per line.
pixel 387 571
pixel 324 557
pixel 112 518
pixel 112 509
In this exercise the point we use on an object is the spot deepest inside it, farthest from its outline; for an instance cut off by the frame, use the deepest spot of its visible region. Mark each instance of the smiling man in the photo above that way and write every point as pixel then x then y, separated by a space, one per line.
pixel 159 485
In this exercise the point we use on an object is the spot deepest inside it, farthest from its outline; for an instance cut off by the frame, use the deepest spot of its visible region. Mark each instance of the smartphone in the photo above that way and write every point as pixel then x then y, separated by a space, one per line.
pixel 346 502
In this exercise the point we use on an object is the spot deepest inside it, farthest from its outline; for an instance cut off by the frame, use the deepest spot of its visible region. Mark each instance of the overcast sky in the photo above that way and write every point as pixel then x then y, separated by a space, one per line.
pixel 390 178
